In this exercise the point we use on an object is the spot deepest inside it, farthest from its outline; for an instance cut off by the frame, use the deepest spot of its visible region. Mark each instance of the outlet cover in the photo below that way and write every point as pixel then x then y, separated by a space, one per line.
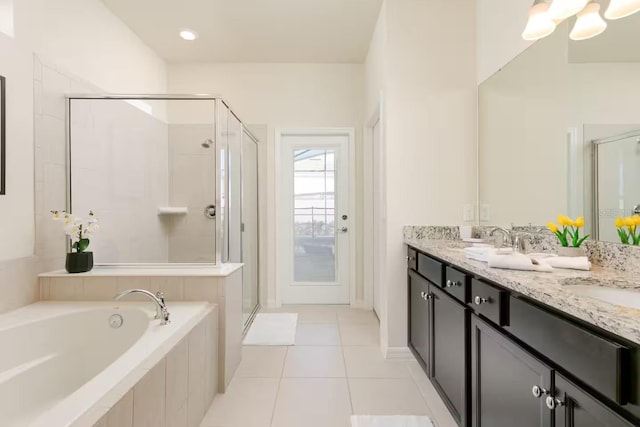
pixel 485 213
pixel 467 213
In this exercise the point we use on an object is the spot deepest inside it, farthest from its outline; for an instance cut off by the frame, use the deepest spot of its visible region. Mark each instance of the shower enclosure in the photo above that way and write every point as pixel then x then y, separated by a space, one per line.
pixel 172 179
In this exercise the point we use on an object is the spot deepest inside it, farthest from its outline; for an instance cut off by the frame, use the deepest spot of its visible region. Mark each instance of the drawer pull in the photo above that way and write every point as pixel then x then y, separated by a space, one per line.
pixel 553 402
pixel 451 284
pixel 479 300
pixel 538 391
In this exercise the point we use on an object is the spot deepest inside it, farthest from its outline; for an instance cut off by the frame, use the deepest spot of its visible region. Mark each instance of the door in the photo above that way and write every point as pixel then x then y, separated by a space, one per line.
pixel 315 218
pixel 449 343
pixel 575 408
pixel 420 319
pixel 508 385
pixel 377 220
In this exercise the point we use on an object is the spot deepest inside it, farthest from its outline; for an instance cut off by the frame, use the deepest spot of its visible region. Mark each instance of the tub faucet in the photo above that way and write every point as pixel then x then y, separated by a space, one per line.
pixel 161 309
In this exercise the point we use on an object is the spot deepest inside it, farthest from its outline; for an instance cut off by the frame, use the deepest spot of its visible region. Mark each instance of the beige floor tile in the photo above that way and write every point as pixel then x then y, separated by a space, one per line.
pixel 441 415
pixel 367 362
pixel 391 396
pixel 316 420
pixel 317 334
pixel 306 399
pixel 261 362
pixel 314 362
pixel 309 313
pixel 355 315
pixel 359 334
pixel 248 402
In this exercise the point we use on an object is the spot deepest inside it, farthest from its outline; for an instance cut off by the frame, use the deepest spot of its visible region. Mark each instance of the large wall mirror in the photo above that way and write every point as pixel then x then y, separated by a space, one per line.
pixel 559 132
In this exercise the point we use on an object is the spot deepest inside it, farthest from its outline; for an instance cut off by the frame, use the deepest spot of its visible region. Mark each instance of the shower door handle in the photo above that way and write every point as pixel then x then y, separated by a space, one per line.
pixel 210 212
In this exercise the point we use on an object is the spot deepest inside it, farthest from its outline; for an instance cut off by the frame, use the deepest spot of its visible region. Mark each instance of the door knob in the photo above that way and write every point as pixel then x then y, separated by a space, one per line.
pixel 343 229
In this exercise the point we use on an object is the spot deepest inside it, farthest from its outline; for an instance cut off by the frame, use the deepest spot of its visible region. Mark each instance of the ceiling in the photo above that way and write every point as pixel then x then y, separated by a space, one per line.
pixel 324 31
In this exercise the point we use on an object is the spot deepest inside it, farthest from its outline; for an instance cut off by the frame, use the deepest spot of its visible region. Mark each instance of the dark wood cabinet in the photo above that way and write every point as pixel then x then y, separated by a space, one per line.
pixel 450 331
pixel 576 408
pixel 420 319
pixel 508 385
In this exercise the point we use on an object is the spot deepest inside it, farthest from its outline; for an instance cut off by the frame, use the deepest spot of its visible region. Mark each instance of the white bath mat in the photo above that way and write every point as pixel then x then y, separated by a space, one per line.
pixel 272 329
pixel 390 421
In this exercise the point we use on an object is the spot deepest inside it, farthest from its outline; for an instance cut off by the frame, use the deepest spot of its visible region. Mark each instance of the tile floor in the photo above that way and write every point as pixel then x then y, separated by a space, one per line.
pixel 334 370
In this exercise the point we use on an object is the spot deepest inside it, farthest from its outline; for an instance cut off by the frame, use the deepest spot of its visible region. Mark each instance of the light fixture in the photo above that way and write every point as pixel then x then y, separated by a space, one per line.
pixel 189 35
pixel 589 23
pixel 622 8
pixel 562 9
pixel 539 24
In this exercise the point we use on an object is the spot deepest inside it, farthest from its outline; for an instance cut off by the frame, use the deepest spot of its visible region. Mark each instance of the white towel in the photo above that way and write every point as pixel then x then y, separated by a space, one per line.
pixel 482 253
pixel 571 263
pixel 517 262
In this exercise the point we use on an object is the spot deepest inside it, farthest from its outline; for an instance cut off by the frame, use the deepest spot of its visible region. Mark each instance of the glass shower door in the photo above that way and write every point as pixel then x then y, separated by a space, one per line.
pixel 249 226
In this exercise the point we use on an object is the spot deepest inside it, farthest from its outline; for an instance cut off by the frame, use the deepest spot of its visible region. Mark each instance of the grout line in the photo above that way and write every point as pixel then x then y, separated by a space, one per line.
pixel 346 373
pixel 275 403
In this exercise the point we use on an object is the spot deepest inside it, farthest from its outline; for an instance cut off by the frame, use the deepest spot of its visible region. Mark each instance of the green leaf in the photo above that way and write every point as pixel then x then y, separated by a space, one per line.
pixel 581 241
pixel 83 244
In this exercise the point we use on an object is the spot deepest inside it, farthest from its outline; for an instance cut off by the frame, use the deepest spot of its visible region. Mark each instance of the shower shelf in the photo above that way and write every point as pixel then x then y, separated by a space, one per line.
pixel 171 210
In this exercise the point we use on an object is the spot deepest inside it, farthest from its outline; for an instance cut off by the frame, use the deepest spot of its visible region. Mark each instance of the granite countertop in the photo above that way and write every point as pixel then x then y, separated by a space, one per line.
pixel 549 289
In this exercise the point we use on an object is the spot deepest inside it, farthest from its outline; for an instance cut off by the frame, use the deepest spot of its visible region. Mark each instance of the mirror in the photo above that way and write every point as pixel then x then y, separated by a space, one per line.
pixel 559 132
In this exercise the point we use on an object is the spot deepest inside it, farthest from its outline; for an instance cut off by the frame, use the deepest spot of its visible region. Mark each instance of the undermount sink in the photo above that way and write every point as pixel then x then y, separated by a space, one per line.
pixel 625 294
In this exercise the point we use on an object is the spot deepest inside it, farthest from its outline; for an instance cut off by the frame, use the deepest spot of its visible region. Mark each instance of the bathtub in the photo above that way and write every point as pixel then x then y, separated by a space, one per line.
pixel 67 363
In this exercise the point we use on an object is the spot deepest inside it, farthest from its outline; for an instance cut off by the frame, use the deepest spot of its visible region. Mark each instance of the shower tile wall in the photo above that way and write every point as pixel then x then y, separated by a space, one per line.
pixel 192 177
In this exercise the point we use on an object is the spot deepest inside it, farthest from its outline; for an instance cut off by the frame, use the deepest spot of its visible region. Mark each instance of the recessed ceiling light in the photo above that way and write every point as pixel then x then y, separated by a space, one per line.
pixel 188 35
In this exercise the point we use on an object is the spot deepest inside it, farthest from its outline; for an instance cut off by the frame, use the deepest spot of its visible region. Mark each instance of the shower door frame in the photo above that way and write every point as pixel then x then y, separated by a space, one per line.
pixel 218 103
pixel 596 203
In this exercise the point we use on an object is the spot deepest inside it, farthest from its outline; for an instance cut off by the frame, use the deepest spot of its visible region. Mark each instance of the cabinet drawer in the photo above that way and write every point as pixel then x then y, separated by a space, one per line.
pixel 457 284
pixel 431 269
pixel 489 301
pixel 597 361
pixel 412 259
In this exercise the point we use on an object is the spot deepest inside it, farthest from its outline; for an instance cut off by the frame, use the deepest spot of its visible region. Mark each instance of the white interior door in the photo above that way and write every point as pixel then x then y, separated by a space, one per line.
pixel 376 218
pixel 315 221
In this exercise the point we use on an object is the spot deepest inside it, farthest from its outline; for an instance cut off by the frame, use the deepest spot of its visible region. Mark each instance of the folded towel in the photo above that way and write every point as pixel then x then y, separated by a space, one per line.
pixel 572 263
pixel 517 262
pixel 482 253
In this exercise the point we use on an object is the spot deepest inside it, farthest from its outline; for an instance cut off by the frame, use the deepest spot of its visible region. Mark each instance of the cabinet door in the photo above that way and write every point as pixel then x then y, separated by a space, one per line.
pixel 503 377
pixel 420 319
pixel 576 408
pixel 450 350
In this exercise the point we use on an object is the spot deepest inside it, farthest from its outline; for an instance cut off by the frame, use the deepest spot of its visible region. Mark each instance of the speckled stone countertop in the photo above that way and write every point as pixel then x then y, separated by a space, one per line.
pixel 548 288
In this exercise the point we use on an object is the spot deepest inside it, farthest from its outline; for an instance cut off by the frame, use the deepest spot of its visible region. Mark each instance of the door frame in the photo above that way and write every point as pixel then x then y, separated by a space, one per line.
pixel 353 224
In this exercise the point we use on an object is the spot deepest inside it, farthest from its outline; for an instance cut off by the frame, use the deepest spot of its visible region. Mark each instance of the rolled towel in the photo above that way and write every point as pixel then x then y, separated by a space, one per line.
pixel 571 263
pixel 517 262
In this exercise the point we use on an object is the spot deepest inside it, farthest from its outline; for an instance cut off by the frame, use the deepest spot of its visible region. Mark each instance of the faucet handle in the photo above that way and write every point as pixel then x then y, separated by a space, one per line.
pixel 160 296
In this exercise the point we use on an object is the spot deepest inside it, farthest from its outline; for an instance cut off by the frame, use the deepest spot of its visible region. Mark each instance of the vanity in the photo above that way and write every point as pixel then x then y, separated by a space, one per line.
pixel 508 348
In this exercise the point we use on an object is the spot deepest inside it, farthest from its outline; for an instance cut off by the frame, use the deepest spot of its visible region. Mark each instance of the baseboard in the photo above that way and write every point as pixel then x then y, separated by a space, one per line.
pixel 399 353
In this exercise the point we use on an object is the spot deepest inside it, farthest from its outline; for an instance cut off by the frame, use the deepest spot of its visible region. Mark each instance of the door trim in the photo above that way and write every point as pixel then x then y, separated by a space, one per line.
pixel 314 131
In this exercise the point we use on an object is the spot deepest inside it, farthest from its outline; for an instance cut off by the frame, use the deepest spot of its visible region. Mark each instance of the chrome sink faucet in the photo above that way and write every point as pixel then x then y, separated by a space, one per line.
pixel 161 308
pixel 511 237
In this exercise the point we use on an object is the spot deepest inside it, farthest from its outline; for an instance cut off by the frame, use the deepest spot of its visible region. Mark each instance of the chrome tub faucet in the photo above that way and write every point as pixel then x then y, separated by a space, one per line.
pixel 161 309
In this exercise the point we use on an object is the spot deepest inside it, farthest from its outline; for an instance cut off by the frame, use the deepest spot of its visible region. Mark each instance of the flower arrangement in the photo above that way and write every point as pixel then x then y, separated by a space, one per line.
pixel 569 234
pixel 629 229
pixel 78 230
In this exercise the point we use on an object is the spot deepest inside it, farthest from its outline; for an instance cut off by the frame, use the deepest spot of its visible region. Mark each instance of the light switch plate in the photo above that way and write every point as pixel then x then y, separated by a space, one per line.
pixel 485 213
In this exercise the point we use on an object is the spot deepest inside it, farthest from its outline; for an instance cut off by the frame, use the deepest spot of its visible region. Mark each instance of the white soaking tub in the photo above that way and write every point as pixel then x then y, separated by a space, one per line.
pixel 65 364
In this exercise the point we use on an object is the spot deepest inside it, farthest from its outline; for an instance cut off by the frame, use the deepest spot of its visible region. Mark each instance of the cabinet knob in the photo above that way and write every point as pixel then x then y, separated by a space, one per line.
pixel 410 258
pixel 451 284
pixel 428 296
pixel 479 300
pixel 538 391
pixel 422 295
pixel 553 402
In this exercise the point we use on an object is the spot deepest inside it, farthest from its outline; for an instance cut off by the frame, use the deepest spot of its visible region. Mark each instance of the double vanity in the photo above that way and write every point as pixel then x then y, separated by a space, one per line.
pixel 518 348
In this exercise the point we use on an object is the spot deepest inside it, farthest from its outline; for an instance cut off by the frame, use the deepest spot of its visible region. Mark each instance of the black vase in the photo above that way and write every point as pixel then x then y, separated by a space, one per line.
pixel 79 262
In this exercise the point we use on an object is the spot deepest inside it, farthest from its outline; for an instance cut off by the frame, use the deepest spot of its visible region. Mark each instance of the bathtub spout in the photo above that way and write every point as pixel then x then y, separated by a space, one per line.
pixel 161 309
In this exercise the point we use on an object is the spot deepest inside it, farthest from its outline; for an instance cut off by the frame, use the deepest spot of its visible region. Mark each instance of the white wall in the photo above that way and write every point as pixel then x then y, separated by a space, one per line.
pixel 430 137
pixel 81 37
pixel 280 95
pixel 499 33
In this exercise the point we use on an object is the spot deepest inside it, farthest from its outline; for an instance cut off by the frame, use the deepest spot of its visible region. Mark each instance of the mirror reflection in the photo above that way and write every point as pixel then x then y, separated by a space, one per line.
pixel 559 132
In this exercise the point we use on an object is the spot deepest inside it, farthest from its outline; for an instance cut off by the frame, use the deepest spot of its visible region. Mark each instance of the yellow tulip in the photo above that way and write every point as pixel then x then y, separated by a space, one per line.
pixel 628 221
pixel 579 222
pixel 551 226
pixel 619 222
pixel 564 220
pixel 636 219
